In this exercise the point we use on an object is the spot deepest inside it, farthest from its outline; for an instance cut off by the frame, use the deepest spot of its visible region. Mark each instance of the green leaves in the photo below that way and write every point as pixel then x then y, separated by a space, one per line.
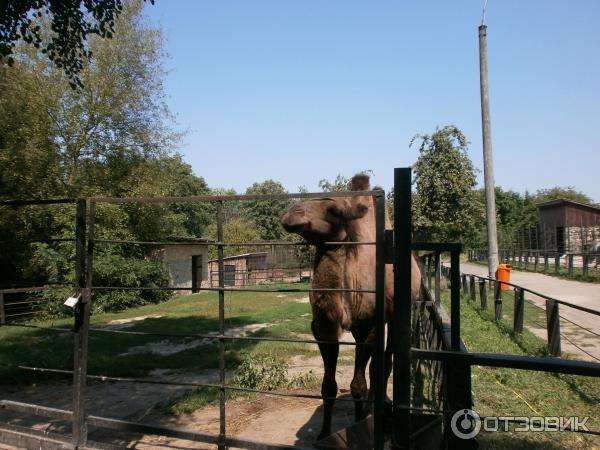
pixel 446 207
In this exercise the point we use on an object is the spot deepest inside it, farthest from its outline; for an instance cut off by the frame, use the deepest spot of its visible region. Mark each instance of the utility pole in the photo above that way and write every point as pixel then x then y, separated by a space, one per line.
pixel 488 164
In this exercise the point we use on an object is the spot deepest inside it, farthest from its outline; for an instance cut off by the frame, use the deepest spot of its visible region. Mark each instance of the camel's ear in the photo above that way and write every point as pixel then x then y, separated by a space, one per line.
pixel 360 182
pixel 349 211
pixel 355 211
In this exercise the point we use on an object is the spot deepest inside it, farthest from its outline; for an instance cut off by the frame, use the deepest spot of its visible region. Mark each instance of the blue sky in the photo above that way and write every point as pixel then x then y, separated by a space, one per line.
pixel 298 91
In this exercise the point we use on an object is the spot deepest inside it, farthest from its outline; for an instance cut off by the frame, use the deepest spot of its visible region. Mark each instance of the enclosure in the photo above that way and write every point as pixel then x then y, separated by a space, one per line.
pixel 428 345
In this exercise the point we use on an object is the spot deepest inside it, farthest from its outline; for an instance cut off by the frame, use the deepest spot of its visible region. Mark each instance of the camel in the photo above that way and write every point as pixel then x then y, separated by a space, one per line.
pixel 350 219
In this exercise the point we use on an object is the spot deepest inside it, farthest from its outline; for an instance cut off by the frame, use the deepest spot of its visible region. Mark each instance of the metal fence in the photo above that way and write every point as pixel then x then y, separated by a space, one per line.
pixel 402 420
pixel 86 214
pixel 544 260
pixel 476 285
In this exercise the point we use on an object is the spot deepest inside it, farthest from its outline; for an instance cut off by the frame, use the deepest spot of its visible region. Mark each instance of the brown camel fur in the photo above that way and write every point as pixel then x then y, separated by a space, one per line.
pixel 349 219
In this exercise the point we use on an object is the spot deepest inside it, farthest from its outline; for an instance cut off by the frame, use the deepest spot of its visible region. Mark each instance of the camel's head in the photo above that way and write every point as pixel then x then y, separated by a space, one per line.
pixel 326 219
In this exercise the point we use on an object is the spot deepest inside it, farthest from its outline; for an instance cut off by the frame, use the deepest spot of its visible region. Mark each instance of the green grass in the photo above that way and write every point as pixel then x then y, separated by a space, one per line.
pixel 196 313
pixel 510 392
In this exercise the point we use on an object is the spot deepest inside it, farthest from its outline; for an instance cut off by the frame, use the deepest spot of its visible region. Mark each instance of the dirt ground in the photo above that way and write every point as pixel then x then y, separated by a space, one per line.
pixel 263 418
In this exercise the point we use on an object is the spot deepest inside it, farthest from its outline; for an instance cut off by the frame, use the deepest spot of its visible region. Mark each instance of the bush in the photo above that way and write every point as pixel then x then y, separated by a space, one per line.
pixel 114 270
pixel 261 371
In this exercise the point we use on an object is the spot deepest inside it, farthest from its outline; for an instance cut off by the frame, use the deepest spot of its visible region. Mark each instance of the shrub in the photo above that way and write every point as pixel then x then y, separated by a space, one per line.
pixel 261 371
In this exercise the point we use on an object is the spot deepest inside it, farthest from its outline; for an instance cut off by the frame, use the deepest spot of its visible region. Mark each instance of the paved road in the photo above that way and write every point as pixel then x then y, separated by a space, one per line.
pixel 577 292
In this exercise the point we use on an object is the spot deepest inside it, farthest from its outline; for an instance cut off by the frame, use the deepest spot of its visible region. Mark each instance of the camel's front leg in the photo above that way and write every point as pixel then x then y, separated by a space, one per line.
pixel 325 330
pixel 329 353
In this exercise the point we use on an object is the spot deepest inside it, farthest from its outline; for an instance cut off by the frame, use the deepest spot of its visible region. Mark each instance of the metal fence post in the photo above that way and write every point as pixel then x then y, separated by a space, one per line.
pixel 483 295
pixel 537 261
pixel 545 262
pixel 585 265
pixel 221 264
pixel 378 358
pixel 557 262
pixel 570 262
pixel 497 300
pixel 83 275
pixel 2 312
pixel 402 307
pixel 438 278
pixel 519 310
pixel 553 326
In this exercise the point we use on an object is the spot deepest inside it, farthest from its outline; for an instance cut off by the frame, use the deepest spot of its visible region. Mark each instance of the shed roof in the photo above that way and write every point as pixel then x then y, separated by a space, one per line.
pixel 566 202
pixel 243 255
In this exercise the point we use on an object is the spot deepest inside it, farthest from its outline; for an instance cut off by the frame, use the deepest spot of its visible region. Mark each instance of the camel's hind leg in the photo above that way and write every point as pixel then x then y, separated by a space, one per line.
pixel 358 387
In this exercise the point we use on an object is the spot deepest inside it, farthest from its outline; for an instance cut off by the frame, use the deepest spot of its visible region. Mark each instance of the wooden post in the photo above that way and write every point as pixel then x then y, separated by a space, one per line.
pixel 557 262
pixel 545 262
pixel 483 295
pixel 553 327
pixel 519 310
pixel 464 284
pixel 585 265
pixel 537 260
pixel 472 288
pixel 498 301
pixel 570 262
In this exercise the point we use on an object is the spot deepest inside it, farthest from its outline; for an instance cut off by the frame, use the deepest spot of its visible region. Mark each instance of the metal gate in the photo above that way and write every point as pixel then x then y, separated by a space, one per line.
pixel 86 215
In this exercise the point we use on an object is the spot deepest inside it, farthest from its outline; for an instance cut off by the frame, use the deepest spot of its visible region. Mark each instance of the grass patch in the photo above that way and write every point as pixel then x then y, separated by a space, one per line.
pixel 511 392
pixel 190 314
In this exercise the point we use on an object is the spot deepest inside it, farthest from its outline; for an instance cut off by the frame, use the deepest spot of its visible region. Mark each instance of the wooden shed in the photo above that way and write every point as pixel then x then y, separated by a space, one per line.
pixel 253 268
pixel 568 226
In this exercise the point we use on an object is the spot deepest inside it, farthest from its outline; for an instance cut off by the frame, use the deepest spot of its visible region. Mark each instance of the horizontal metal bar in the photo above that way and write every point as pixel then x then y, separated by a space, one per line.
pixel 224 198
pixel 217 289
pixel 105 378
pixel 24 325
pixel 37 202
pixel 116 424
pixel 437 246
pixel 217 337
pixel 227 244
pixel 7 305
pixel 33 241
pixel 537 363
pixel 8 316
pixel 23 289
pixel 562 302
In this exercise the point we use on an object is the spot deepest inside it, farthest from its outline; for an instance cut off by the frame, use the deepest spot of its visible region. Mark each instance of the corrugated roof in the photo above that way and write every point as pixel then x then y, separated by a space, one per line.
pixel 566 202
pixel 243 255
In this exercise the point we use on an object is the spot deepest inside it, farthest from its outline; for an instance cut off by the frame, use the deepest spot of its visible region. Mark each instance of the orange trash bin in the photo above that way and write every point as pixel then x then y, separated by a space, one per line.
pixel 504 275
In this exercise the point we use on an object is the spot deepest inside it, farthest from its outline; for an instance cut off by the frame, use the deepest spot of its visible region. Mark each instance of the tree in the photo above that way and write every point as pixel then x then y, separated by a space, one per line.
pixel 65 40
pixel 113 137
pixel 557 192
pixel 266 214
pixel 340 184
pixel 446 207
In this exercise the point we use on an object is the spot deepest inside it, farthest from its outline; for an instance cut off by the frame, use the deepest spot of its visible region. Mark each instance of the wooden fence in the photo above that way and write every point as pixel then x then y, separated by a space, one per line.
pixel 542 260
